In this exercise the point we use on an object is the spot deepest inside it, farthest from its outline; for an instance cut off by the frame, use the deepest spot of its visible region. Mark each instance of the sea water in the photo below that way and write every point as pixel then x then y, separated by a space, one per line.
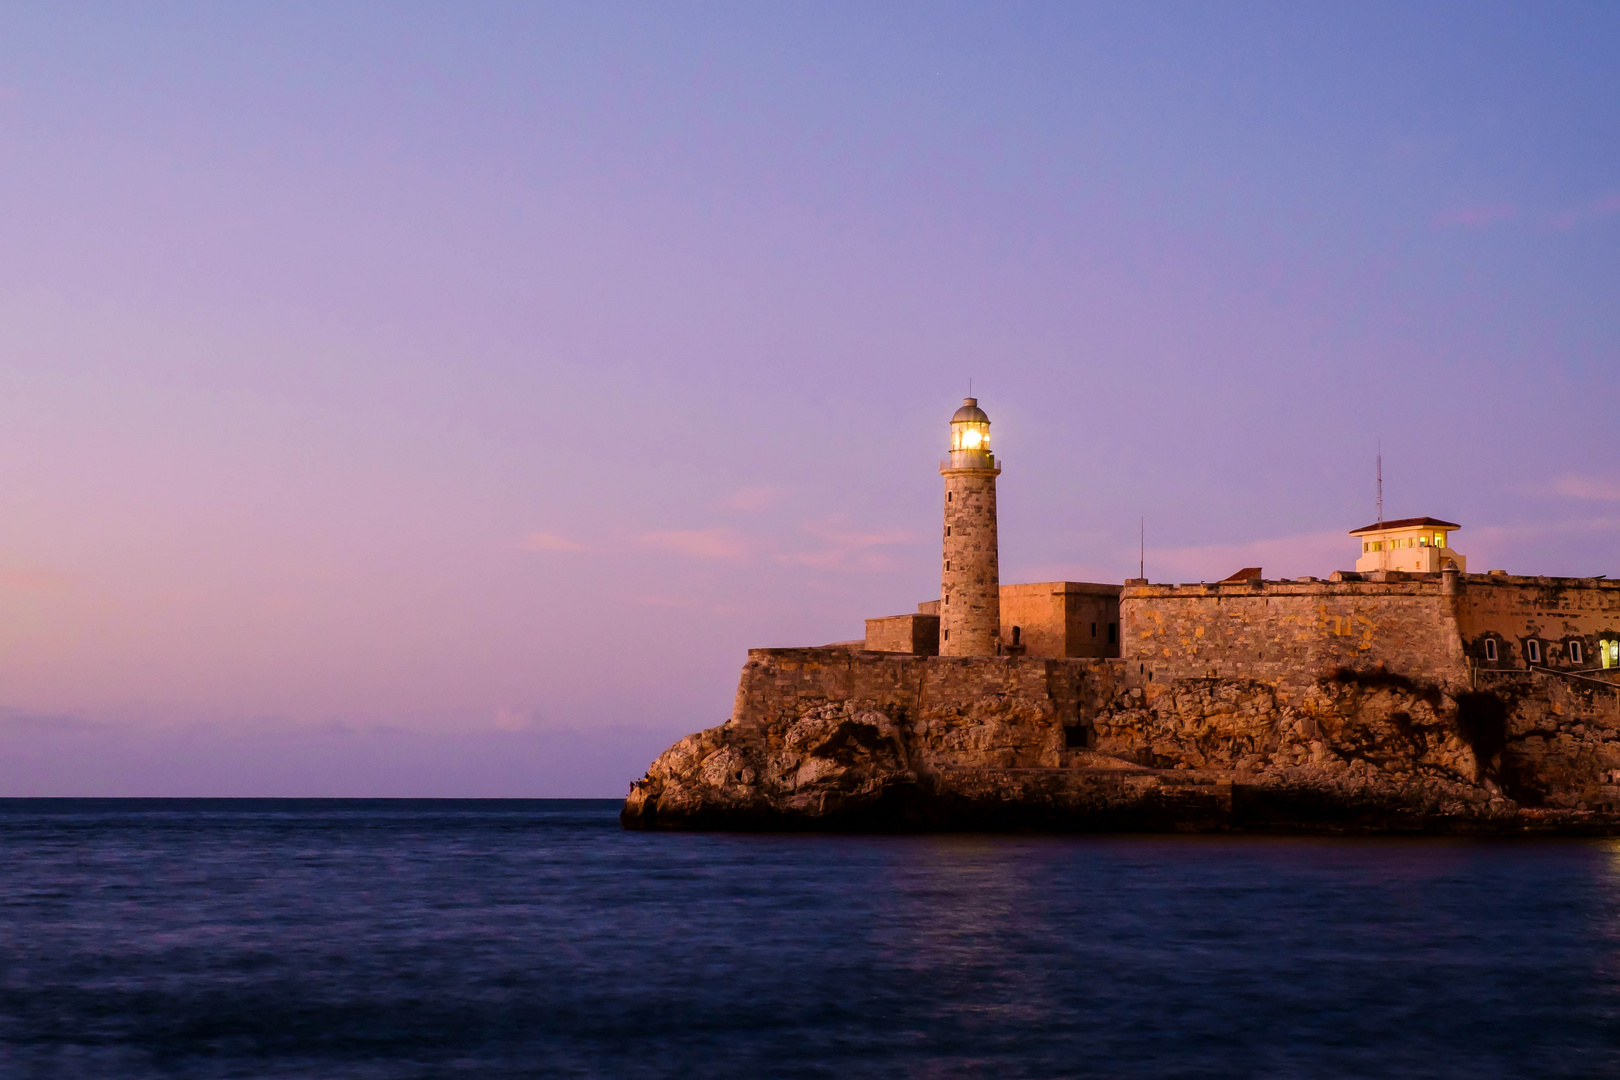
pixel 264 938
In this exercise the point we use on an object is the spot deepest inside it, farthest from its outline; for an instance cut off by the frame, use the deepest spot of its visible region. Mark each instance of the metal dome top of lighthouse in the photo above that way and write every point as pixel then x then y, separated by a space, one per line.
pixel 970 413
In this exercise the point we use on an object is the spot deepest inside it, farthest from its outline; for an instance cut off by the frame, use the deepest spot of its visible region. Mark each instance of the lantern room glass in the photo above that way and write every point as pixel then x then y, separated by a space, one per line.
pixel 970 435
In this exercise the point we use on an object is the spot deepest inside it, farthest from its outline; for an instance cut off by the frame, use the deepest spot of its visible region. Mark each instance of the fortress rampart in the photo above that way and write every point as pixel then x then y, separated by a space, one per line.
pixel 1430 626
pixel 1566 618
pixel 1288 632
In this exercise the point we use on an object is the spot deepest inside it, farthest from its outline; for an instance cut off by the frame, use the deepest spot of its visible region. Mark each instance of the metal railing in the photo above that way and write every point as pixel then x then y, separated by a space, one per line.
pixel 1581 675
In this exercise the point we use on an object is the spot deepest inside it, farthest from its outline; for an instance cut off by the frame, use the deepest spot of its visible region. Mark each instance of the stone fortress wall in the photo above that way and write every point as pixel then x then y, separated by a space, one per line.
pixel 1286 632
pixel 1053 620
pixel 1057 619
pixel 1431 625
pixel 1552 612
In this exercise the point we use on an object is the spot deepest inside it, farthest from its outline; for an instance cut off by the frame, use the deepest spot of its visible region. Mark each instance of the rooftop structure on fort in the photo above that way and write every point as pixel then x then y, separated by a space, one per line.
pixel 1414 545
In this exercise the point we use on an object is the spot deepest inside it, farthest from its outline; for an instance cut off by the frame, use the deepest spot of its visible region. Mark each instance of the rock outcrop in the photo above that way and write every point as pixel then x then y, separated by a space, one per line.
pixel 837 739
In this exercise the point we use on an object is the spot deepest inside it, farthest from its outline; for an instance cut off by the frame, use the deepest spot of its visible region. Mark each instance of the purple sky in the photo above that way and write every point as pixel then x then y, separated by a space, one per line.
pixel 437 400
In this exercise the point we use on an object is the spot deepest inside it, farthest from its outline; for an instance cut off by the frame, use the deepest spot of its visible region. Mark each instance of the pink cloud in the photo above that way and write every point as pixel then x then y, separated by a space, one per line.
pixel 1598 208
pixel 1585 487
pixel 700 543
pixel 1472 217
pixel 846 549
pixel 32 579
pixel 685 603
pixel 1524 545
pixel 752 500
pixel 667 602
pixel 517 719
pixel 1316 554
pixel 550 542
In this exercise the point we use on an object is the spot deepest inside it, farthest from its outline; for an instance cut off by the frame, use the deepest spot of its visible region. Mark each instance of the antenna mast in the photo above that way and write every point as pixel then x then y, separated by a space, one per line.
pixel 1383 541
pixel 1141 550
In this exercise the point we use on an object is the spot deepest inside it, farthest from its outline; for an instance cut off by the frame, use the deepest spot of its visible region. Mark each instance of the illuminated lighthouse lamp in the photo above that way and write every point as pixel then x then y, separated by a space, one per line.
pixel 970 427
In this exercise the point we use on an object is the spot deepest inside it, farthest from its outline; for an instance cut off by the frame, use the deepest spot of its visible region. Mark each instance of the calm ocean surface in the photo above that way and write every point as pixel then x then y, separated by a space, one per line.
pixel 265 938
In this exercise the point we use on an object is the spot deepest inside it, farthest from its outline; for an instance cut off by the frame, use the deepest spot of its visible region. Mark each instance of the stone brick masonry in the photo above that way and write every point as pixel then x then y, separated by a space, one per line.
pixel 970 581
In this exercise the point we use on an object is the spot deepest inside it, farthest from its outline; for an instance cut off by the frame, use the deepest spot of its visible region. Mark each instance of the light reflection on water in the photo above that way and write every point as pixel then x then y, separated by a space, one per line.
pixel 389 939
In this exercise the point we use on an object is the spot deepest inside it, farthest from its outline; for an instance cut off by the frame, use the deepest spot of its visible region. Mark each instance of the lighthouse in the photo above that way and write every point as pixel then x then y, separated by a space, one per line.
pixel 970 583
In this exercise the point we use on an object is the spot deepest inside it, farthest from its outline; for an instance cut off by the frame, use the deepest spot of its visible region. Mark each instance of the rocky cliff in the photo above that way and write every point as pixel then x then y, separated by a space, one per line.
pixel 834 739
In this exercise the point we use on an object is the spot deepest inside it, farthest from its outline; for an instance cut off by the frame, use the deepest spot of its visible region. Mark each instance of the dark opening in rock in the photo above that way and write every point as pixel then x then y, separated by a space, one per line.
pixel 1482 723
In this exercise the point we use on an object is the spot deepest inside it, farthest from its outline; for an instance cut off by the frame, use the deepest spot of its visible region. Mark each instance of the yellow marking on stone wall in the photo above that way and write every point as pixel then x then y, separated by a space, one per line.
pixel 1368 628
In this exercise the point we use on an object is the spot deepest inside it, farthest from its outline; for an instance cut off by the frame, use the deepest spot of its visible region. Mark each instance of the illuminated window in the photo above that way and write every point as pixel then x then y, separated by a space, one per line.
pixel 1490 649
pixel 1609 653
pixel 1423 541
pixel 1439 539
pixel 1532 651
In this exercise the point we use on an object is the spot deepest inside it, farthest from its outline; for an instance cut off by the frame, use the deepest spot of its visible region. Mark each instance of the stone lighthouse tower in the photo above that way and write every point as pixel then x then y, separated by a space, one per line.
pixel 970 583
